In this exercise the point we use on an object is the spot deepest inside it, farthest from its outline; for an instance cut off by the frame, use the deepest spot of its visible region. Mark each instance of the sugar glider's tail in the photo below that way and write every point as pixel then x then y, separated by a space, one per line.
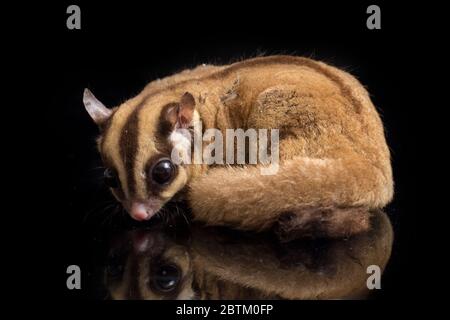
pixel 307 197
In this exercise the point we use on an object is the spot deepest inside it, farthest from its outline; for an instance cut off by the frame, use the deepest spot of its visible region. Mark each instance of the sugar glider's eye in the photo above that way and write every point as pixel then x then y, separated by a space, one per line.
pixel 163 171
pixel 111 179
pixel 166 277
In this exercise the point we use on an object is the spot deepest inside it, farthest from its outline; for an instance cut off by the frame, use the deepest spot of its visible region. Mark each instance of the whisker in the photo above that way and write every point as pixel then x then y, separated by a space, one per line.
pixel 97 168
pixel 99 210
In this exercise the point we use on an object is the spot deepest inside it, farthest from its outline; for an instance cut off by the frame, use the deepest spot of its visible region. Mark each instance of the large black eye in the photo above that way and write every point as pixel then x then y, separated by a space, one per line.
pixel 166 277
pixel 111 179
pixel 163 172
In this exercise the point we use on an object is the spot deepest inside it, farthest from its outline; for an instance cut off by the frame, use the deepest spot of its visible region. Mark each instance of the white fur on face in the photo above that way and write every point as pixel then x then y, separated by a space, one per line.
pixel 181 142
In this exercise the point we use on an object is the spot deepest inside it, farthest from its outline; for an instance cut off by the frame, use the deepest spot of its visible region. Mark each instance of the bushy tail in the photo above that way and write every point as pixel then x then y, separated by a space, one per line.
pixel 307 188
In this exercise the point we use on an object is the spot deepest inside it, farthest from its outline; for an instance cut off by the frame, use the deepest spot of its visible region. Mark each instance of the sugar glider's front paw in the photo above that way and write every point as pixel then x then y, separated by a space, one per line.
pixel 329 222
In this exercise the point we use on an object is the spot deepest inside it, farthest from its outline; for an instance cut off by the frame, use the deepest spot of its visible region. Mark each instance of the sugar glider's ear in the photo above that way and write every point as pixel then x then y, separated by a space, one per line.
pixel 180 115
pixel 97 110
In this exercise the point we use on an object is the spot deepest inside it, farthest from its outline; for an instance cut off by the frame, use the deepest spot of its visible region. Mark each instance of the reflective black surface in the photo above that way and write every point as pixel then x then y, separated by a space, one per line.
pixel 195 262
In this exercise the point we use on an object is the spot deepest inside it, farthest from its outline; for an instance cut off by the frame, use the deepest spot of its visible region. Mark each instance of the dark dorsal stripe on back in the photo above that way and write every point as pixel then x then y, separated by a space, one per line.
pixel 270 60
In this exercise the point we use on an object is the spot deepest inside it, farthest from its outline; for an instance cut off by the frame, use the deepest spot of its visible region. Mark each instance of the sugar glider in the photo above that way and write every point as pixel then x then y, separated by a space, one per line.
pixel 334 163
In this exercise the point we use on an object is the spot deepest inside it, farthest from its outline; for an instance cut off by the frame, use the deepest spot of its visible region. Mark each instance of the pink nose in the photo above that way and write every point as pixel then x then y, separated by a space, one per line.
pixel 138 211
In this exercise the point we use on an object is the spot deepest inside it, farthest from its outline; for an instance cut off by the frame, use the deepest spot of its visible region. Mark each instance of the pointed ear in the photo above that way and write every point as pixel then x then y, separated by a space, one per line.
pixel 180 115
pixel 98 112
pixel 186 111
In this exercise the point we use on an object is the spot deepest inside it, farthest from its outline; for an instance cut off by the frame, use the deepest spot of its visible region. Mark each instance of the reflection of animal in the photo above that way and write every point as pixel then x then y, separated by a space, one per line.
pixel 215 264
pixel 335 163
pixel 148 266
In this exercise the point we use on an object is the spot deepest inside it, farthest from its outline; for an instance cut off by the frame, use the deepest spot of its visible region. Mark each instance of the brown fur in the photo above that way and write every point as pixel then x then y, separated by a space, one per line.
pixel 333 152
pixel 335 271
pixel 322 222
pixel 217 264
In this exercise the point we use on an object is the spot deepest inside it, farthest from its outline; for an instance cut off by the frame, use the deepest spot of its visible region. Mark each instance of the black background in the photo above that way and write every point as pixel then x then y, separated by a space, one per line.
pixel 121 47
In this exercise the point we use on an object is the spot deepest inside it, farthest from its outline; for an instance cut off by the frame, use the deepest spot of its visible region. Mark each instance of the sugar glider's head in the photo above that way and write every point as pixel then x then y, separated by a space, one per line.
pixel 149 265
pixel 136 145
